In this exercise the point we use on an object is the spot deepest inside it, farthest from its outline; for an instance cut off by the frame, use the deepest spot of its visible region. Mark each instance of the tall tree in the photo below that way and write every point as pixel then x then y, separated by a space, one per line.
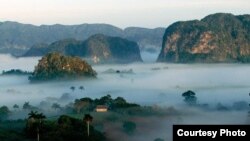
pixel 35 120
pixel 88 119
pixel 81 88
pixel 73 88
pixel 56 106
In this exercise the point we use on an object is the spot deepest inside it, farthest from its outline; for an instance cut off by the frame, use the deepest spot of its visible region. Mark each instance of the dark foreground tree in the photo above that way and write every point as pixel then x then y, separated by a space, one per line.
pixel 71 129
pixel 35 123
pixel 64 128
pixel 88 119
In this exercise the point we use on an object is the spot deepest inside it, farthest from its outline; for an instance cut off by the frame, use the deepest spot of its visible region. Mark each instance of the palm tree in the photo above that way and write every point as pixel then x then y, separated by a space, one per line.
pixel 73 88
pixel 88 118
pixel 36 119
pixel 56 106
pixel 81 88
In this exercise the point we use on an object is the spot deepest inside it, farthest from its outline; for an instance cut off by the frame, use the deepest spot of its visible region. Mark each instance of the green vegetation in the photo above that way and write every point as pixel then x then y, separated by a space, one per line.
pixel 244 59
pixel 54 66
pixel 12 130
pixel 56 106
pixel 15 106
pixel 98 48
pixel 190 98
pixel 65 128
pixel 88 118
pixel 112 49
pixel 76 121
pixel 159 139
pixel 216 38
pixel 87 104
pixel 16 72
pixel 129 127
pixel 20 37
pixel 34 125
pixel 73 88
pixel 68 129
pixel 4 112
pixel 28 107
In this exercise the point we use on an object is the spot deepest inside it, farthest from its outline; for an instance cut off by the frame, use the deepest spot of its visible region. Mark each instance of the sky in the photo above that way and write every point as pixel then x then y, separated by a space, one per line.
pixel 121 13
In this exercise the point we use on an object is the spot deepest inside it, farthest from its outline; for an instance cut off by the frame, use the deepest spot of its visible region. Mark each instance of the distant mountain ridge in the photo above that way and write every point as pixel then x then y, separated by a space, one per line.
pixel 99 48
pixel 17 38
pixel 216 38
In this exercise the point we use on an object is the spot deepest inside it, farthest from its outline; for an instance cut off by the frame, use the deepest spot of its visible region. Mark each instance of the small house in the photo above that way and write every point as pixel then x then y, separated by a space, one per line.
pixel 101 108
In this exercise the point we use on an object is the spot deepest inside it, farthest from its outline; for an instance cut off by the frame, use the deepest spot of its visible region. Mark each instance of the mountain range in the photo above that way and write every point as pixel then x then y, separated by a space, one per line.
pixel 217 38
pixel 16 38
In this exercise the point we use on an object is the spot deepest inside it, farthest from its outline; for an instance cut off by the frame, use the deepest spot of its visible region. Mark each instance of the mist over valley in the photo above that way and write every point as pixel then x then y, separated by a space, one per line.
pixel 148 84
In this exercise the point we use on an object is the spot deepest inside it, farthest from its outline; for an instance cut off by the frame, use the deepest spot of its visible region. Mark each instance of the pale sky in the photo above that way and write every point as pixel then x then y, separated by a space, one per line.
pixel 121 13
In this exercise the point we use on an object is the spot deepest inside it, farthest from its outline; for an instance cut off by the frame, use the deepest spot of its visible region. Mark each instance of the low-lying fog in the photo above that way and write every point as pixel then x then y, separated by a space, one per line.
pixel 148 84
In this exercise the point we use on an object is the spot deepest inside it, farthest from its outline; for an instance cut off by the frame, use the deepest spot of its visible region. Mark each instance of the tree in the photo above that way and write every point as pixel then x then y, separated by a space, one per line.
pixel 190 97
pixel 56 106
pixel 106 100
pixel 4 112
pixel 35 121
pixel 129 127
pixel 73 88
pixel 16 106
pixel 221 107
pixel 71 129
pixel 240 105
pixel 159 139
pixel 83 104
pixel 120 100
pixel 27 106
pixel 81 88
pixel 88 118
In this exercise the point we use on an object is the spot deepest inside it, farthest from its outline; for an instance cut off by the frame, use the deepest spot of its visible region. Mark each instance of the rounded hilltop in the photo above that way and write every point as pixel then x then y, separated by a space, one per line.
pixel 55 66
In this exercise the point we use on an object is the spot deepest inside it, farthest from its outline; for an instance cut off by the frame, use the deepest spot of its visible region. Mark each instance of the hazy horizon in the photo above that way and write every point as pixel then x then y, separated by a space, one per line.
pixel 120 13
